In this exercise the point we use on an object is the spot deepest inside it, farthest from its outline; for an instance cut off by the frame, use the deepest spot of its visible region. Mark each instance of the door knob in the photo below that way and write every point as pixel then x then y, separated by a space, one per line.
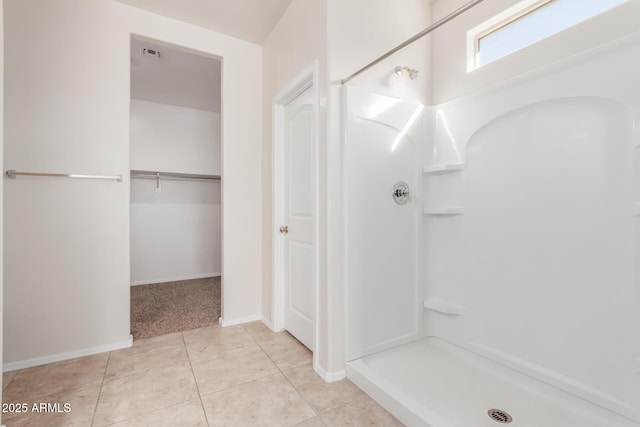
pixel 284 229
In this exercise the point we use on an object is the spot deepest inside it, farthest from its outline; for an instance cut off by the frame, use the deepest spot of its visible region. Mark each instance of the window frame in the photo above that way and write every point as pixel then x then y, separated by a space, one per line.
pixel 494 24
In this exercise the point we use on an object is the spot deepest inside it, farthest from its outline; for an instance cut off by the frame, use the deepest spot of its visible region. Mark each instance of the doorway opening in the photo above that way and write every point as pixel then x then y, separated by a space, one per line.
pixel 176 203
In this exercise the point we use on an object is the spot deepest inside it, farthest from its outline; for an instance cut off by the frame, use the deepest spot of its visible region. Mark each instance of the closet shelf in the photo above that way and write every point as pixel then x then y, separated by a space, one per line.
pixel 171 175
pixel 443 307
pixel 445 168
pixel 452 210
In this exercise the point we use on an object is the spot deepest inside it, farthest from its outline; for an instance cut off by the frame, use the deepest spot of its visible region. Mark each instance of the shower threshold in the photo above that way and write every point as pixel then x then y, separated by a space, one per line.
pixel 433 383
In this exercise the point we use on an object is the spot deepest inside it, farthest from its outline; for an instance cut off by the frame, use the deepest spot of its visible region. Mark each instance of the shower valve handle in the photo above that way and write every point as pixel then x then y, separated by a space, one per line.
pixel 401 192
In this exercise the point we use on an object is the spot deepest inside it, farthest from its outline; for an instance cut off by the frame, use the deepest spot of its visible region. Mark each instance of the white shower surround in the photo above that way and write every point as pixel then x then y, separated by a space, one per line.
pixel 528 216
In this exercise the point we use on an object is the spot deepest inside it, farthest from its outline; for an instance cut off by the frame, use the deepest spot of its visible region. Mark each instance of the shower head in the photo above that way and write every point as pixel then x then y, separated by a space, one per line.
pixel 413 72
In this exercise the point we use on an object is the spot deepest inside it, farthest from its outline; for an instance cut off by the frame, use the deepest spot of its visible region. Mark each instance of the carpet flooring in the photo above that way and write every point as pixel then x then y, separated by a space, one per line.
pixel 164 308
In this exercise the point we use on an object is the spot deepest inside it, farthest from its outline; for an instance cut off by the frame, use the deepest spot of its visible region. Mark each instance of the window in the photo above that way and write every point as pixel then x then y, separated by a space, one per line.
pixel 526 23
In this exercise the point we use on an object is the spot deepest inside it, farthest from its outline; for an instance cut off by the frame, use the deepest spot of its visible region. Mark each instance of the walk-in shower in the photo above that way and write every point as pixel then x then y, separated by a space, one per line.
pixel 506 290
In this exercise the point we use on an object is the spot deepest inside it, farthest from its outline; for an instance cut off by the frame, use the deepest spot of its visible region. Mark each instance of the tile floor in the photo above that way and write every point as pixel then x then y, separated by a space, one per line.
pixel 236 376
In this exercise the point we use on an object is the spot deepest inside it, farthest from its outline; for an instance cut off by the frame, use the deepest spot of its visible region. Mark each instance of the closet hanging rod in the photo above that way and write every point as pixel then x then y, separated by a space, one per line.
pixel 169 175
pixel 12 174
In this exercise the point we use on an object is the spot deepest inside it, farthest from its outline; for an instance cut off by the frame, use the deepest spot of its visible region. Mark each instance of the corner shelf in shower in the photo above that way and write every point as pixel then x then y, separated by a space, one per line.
pixel 445 168
pixel 443 307
pixel 448 211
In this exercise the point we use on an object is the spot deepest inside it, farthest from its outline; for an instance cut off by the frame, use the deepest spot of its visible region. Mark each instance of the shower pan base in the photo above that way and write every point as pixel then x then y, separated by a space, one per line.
pixel 433 383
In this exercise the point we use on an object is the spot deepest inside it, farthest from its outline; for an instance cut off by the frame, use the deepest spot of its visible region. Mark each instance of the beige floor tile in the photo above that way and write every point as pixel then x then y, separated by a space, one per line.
pixel 151 353
pixel 231 368
pixel 363 411
pixel 145 391
pixel 270 400
pixel 286 351
pixel 320 394
pixel 54 378
pixel 79 412
pixel 213 340
pixel 7 377
pixel 312 422
pixel 188 414
pixel 259 331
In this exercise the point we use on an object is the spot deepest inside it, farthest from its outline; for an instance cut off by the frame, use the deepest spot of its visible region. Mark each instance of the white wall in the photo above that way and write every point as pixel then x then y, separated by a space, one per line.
pixel 241 153
pixel 1 184
pixel 176 233
pixel 295 43
pixel 66 106
pixel 168 138
pixel 342 36
pixel 67 110
pixel 450 77
pixel 360 31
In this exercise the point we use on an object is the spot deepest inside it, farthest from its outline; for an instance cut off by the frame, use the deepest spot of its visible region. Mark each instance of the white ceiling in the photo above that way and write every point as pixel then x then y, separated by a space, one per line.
pixel 178 77
pixel 250 20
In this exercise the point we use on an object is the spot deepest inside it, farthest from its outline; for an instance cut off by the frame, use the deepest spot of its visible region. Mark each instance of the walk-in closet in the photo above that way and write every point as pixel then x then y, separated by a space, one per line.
pixel 176 216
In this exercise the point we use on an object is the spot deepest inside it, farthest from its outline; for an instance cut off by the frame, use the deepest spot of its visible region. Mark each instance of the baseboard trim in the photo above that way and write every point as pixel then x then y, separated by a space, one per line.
pixel 269 325
pixel 267 322
pixel 175 279
pixel 239 321
pixel 22 364
pixel 331 377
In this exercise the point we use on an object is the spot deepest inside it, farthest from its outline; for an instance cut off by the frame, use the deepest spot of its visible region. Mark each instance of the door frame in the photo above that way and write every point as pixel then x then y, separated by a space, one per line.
pixel 186 48
pixel 307 80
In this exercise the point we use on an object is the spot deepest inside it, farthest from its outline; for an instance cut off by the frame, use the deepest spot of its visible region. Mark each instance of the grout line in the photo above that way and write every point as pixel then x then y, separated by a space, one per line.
pixel 194 378
pixel 15 374
pixel 104 375
pixel 263 350
pixel 240 349
pixel 285 375
pixel 128 420
pixel 134 372
pixel 316 413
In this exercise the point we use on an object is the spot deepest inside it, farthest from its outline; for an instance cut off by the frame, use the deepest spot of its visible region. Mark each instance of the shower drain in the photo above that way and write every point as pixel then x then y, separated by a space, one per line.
pixel 500 416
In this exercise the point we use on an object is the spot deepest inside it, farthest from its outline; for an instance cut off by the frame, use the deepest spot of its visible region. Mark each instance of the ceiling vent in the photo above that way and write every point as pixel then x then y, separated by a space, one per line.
pixel 147 51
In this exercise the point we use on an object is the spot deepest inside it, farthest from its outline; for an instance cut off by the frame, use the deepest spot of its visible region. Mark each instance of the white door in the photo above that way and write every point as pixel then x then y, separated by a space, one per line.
pixel 298 220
